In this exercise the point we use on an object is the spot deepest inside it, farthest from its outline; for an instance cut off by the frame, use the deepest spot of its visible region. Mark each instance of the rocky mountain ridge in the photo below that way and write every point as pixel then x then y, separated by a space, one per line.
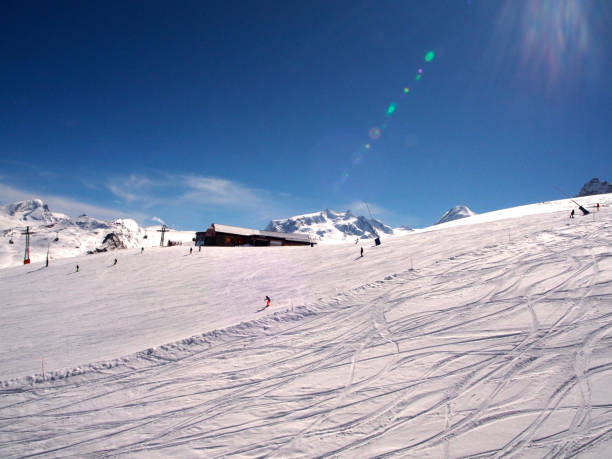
pixel 595 186
pixel 328 225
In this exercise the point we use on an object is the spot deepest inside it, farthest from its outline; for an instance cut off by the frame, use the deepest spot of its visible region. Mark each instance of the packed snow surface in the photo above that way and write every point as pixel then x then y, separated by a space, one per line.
pixel 468 339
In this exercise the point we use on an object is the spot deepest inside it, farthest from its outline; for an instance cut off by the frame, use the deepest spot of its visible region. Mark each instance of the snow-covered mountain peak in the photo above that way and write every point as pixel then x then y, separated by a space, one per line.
pixel 27 206
pixel 456 213
pixel 330 225
pixel 128 223
pixel 34 210
pixel 63 236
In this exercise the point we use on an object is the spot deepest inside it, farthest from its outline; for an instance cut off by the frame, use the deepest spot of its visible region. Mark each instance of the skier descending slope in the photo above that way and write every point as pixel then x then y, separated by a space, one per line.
pixel 267 301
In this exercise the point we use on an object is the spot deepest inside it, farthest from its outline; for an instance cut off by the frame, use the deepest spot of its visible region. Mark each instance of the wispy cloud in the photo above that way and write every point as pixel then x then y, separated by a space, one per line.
pixel 361 208
pixel 204 191
pixel 134 188
pixel 165 193
pixel 388 217
pixel 69 206
pixel 221 192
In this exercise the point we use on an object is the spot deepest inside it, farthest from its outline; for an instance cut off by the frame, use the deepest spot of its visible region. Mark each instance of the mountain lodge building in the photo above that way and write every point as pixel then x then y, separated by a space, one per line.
pixel 232 236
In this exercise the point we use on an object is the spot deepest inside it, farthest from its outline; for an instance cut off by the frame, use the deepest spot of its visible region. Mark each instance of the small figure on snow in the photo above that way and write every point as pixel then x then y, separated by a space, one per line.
pixel 115 262
pixel 597 207
pixel 572 213
pixel 268 301
pixel 362 251
pixel 199 248
pixel 190 250
pixel 77 268
pixel 141 250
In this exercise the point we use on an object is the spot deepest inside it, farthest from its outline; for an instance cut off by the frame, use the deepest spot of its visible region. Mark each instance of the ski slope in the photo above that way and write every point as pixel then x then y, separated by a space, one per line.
pixel 489 335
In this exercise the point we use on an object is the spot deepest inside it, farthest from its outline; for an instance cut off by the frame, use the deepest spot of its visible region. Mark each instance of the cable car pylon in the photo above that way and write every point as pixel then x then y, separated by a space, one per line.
pixel 26 255
pixel 164 229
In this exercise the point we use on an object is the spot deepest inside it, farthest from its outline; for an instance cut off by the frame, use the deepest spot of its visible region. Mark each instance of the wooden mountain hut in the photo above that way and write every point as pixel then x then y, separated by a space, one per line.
pixel 233 236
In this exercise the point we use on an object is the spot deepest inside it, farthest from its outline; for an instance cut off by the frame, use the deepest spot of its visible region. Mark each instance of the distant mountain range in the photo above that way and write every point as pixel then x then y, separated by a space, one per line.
pixel 61 235
pixel 65 236
pixel 595 186
pixel 328 225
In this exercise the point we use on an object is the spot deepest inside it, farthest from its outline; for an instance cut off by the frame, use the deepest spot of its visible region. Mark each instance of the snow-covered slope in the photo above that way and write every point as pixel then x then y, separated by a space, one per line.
pixel 594 186
pixel 456 213
pixel 331 226
pixel 488 338
pixel 66 237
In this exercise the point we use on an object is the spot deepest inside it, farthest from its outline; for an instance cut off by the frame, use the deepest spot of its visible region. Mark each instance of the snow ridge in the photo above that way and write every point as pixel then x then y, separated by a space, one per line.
pixel 456 213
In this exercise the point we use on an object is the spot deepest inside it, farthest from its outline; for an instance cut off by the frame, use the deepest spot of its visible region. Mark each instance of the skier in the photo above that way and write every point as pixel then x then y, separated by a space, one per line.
pixel 115 262
pixel 77 268
pixel 141 250
pixel 572 213
pixel 597 207
pixel 268 301
pixel 362 251
pixel 190 250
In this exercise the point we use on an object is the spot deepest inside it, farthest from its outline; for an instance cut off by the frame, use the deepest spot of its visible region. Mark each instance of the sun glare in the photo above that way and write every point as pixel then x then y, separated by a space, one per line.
pixel 554 36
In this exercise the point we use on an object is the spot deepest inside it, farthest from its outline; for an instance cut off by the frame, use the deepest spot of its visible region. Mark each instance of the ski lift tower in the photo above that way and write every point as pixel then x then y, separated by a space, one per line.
pixel 164 229
pixel 26 255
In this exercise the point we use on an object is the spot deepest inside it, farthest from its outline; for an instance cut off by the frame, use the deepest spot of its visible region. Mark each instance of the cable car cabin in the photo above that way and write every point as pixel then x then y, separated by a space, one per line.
pixel 233 236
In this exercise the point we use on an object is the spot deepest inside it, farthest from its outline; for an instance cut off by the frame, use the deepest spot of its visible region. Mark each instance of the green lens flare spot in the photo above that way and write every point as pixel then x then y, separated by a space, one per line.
pixel 418 77
pixel 406 90
pixel 391 108
pixel 429 56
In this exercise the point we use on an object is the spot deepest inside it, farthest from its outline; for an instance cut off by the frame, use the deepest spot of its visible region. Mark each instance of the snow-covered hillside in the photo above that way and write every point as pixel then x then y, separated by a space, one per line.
pixel 485 336
pixel 595 186
pixel 66 237
pixel 331 226
pixel 455 213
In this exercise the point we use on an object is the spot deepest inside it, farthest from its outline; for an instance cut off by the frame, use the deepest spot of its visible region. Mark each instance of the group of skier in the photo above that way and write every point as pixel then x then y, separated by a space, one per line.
pixel 584 211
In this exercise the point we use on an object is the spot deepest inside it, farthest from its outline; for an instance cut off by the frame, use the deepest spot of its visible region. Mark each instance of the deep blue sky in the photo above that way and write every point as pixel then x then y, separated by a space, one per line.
pixel 238 112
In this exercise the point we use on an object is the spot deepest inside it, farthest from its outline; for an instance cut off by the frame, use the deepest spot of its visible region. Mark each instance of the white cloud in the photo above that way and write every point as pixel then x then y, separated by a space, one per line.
pixel 65 205
pixel 388 217
pixel 133 188
pixel 216 191
pixel 122 193
pixel 207 192
pixel 361 208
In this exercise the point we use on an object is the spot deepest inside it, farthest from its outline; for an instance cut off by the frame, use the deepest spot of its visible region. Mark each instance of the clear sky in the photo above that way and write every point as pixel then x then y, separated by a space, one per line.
pixel 238 112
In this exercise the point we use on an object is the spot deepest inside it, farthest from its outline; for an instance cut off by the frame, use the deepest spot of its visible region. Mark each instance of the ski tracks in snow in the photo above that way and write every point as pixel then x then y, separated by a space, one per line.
pixel 481 354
